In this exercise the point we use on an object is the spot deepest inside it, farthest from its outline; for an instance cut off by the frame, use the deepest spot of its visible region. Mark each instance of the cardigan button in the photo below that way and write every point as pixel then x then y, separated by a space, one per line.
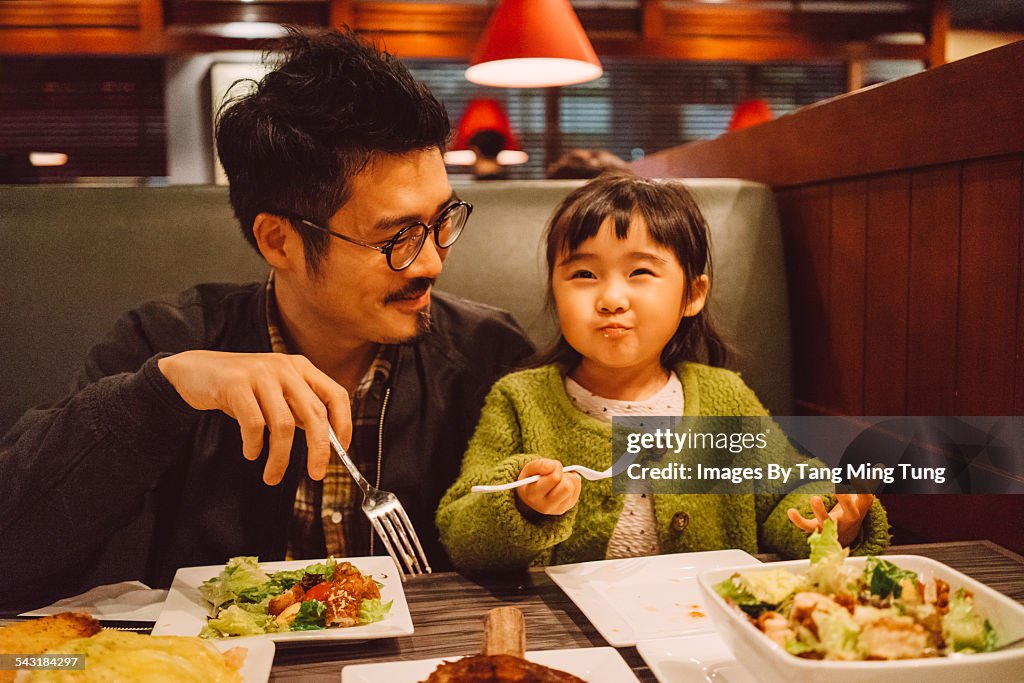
pixel 680 521
pixel 608 504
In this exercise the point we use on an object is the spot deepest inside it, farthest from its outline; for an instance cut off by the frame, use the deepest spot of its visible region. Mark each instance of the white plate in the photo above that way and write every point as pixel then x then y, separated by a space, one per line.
pixel 259 657
pixel 592 664
pixel 641 598
pixel 185 611
pixel 698 658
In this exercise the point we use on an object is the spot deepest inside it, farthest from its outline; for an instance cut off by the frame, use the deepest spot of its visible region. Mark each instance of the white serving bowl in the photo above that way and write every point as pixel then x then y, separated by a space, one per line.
pixel 770 662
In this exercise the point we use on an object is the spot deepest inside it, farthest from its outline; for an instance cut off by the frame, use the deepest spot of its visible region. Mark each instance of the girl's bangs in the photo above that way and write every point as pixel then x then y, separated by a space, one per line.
pixel 583 220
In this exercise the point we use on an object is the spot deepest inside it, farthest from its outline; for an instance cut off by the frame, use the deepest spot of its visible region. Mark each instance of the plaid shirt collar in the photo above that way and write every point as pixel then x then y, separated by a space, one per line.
pixel 325 514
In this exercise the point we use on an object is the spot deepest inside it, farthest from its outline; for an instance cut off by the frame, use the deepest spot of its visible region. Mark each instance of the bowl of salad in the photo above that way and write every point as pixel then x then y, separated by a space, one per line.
pixel 897 618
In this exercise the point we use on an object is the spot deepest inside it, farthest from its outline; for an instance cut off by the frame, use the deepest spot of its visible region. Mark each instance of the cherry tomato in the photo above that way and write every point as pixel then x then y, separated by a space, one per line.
pixel 318 592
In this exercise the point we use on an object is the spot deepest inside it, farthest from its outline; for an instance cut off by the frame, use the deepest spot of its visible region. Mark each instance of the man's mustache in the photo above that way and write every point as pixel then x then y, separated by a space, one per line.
pixel 414 289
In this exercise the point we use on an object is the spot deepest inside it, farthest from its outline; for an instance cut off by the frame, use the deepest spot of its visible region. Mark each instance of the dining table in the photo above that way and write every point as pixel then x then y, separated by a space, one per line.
pixel 448 614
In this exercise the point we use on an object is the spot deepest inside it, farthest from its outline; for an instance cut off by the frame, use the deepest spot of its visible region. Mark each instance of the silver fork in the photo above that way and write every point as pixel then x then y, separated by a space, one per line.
pixel 388 518
pixel 585 472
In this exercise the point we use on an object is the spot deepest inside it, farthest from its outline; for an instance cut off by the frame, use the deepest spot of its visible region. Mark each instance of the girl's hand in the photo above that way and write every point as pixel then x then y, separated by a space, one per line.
pixel 554 493
pixel 848 514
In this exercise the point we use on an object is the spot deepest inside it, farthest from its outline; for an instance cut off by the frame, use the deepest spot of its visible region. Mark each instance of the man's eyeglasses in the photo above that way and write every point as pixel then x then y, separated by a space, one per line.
pixel 403 248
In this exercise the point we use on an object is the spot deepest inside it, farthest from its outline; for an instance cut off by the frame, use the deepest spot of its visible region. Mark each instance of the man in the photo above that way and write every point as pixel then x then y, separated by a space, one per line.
pixel 337 179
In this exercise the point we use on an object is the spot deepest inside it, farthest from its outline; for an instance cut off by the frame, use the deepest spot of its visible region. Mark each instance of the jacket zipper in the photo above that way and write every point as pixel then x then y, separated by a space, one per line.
pixel 380 448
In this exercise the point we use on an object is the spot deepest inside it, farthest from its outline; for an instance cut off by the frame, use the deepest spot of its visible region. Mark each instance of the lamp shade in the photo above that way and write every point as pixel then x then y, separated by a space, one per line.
pixel 484 115
pixel 749 113
pixel 533 44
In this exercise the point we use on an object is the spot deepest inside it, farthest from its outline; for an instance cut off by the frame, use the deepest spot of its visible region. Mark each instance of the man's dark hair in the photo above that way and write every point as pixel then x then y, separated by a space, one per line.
pixel 333 103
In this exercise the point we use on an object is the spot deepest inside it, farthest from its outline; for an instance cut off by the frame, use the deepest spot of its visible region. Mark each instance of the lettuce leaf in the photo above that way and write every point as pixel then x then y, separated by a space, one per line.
pixel 825 543
pixel 324 569
pixel 373 610
pixel 241 576
pixel 883 577
pixel 733 589
pixel 798 647
pixel 827 570
pixel 838 635
pixel 310 616
pixel 235 621
pixel 965 629
pixel 771 586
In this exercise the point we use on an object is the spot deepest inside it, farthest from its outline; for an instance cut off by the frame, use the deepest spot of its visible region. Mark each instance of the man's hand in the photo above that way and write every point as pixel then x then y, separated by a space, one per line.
pixel 848 514
pixel 554 493
pixel 271 390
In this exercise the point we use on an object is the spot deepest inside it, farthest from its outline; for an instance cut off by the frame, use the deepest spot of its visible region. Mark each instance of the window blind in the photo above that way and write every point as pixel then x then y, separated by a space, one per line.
pixel 638 107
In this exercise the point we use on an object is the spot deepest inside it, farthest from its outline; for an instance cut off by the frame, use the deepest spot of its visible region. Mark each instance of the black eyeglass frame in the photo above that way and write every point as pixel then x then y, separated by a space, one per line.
pixel 387 247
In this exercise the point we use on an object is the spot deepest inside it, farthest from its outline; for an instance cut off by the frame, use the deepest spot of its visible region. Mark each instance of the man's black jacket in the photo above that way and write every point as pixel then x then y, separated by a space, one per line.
pixel 122 479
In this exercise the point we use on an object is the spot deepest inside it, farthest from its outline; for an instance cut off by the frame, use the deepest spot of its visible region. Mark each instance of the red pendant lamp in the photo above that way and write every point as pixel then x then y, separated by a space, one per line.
pixel 484 115
pixel 749 113
pixel 533 44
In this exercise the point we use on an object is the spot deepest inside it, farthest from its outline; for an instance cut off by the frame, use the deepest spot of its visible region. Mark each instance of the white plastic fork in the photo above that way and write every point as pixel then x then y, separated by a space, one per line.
pixel 387 517
pixel 585 472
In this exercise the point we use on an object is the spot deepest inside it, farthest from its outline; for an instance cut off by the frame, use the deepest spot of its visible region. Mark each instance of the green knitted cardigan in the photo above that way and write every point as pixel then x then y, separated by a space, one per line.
pixel 528 415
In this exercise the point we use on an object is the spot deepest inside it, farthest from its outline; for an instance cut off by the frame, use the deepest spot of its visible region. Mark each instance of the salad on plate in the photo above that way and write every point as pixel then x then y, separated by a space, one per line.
pixel 244 600
pixel 837 611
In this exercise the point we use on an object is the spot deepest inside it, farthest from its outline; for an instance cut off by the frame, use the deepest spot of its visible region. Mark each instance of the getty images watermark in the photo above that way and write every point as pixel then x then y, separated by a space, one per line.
pixel 728 455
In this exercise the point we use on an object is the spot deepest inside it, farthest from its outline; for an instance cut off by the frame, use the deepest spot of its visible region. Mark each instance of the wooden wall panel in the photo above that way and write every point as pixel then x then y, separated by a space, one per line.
pixel 934 281
pixel 845 388
pixel 989 287
pixel 1019 393
pixel 969 109
pixel 806 217
pixel 885 325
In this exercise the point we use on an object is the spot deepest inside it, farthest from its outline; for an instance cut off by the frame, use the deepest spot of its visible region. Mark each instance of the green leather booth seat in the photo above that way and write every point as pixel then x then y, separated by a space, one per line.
pixel 74 258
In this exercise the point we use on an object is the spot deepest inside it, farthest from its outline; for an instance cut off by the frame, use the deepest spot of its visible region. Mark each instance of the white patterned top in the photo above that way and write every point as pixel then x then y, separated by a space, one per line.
pixel 635 534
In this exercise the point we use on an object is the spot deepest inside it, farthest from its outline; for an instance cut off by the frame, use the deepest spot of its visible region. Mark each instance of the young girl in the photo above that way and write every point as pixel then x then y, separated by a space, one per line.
pixel 629 266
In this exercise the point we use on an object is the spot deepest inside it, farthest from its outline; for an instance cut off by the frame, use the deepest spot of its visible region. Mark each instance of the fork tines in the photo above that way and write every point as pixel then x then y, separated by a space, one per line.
pixel 396 531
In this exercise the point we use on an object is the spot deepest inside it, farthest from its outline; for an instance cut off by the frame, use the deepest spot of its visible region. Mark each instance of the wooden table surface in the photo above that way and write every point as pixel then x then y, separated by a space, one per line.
pixel 447 611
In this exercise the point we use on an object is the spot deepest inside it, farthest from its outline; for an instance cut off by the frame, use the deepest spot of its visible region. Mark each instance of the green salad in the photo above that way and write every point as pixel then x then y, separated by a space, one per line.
pixel 245 601
pixel 839 612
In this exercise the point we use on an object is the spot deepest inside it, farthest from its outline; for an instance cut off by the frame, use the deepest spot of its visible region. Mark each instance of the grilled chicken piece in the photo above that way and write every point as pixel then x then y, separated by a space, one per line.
pixel 498 669
pixel 290 597
pixel 289 614
pixel 348 589
pixel 502 660
pixel 895 638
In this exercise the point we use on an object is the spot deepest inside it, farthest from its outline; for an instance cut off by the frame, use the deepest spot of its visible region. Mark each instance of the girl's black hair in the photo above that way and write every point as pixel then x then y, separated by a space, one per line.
pixel 673 220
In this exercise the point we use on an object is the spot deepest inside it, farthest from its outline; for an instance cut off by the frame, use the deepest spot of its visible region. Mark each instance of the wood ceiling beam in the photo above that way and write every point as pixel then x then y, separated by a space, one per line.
pixel 744 31
pixel 69 14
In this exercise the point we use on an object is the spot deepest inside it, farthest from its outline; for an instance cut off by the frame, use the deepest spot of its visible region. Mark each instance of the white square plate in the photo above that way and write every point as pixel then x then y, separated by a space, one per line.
pixel 640 598
pixel 697 658
pixel 592 664
pixel 185 611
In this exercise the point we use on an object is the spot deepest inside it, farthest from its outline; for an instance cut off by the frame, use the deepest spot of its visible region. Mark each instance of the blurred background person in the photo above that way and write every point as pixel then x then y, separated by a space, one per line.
pixel 487 144
pixel 585 163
